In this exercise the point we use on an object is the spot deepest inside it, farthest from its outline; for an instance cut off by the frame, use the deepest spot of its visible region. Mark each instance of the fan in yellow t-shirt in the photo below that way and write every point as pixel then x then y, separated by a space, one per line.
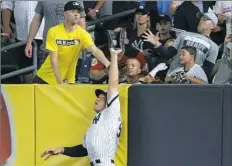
pixel 69 46
pixel 65 42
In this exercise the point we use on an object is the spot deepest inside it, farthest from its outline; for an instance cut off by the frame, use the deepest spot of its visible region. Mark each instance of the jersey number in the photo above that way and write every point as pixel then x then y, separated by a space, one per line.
pixel 96 119
pixel 119 130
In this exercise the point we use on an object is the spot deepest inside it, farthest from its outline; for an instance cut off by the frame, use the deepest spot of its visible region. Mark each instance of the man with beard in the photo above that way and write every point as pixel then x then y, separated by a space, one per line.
pixel 207 50
pixel 65 42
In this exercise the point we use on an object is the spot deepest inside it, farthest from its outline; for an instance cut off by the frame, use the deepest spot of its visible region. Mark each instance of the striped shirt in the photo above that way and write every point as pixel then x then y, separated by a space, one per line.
pixel 102 137
pixel 23 13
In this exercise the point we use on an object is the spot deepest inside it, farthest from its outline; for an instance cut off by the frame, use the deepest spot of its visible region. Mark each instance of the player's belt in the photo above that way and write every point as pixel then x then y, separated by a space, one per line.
pixel 98 161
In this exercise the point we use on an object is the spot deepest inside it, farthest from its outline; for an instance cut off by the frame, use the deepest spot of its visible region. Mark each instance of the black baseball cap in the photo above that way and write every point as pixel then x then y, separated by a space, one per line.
pixel 73 5
pixel 143 10
pixel 99 92
pixel 164 18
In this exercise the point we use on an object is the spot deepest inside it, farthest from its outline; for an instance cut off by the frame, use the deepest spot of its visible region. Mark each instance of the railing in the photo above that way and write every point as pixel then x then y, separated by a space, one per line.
pixel 118 15
pixel 24 70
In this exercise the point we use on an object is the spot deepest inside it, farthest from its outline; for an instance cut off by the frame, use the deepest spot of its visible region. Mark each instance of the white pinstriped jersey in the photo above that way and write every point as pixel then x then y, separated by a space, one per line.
pixel 102 137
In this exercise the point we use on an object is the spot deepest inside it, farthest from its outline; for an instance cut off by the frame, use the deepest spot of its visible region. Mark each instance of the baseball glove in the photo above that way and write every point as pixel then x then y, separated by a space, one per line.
pixel 116 40
pixel 179 78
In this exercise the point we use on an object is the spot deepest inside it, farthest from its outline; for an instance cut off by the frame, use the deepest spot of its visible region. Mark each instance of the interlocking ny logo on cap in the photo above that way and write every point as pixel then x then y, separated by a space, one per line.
pixel 76 3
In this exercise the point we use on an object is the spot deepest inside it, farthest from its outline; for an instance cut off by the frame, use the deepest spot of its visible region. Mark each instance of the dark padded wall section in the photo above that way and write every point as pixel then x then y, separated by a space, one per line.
pixel 227 126
pixel 175 125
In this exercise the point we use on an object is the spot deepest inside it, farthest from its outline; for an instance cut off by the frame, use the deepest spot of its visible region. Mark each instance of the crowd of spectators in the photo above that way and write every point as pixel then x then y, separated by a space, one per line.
pixel 178 42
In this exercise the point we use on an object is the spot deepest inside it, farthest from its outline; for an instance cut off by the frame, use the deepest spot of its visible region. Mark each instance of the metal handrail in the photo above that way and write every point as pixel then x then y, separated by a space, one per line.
pixel 26 69
pixel 103 19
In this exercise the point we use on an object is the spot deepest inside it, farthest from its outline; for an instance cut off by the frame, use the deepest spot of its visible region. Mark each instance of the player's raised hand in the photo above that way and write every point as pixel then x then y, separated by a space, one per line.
pixel 51 152
pixel 115 52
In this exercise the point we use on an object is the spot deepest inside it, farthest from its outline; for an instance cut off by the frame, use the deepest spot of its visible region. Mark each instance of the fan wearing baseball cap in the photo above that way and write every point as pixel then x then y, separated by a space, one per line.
pixel 208 21
pixel 143 10
pixel 73 5
pixel 65 42
pixel 207 50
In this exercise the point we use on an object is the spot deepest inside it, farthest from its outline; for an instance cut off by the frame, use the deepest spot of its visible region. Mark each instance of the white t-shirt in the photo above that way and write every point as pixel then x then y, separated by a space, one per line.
pixel 196 71
pixel 225 7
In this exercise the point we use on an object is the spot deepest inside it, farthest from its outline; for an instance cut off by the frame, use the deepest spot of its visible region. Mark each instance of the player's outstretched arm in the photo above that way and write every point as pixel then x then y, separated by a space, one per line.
pixel 113 73
pixel 75 151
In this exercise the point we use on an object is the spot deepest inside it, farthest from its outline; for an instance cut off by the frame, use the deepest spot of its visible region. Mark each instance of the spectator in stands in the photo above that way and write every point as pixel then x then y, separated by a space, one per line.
pixel 64 42
pixel 92 9
pixel 152 76
pixel 23 12
pixel 207 50
pixel 224 73
pixel 136 47
pixel 6 18
pixel 163 8
pixel 132 71
pixel 134 36
pixel 174 5
pixel 53 14
pixel 186 14
pixel 99 9
pixel 97 73
pixel 190 72
pixel 8 34
pixel 223 10
pixel 166 38
pixel 122 6
pixel 185 18
pixel 152 6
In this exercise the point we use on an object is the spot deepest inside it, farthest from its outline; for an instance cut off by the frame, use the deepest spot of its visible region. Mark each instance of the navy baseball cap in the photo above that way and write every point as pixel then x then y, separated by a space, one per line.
pixel 165 18
pixel 73 5
pixel 99 92
pixel 143 10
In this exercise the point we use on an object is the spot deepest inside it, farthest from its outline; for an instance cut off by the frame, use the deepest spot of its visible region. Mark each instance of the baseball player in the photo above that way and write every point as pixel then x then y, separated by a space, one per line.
pixel 101 140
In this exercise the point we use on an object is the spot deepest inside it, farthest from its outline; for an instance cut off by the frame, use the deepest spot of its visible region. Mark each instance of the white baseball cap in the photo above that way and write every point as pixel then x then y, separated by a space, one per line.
pixel 210 15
